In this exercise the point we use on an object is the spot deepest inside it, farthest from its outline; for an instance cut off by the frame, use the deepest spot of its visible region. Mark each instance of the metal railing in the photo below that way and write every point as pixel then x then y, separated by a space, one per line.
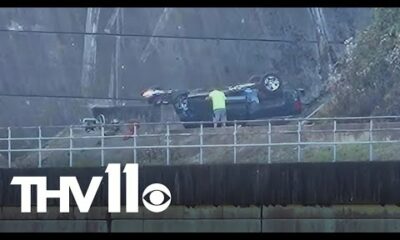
pixel 299 126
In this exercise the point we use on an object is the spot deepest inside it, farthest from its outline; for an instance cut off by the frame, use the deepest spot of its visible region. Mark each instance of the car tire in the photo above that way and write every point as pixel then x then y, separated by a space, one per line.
pixel 179 100
pixel 270 87
pixel 271 83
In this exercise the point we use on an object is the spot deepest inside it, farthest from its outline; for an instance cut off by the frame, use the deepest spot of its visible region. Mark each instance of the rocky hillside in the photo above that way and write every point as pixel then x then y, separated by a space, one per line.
pixel 366 81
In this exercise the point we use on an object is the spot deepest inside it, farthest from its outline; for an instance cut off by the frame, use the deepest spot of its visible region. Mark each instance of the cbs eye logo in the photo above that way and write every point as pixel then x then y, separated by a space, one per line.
pixel 156 197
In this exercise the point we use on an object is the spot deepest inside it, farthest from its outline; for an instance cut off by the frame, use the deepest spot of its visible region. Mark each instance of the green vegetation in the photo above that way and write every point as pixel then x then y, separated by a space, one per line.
pixel 366 81
pixel 354 152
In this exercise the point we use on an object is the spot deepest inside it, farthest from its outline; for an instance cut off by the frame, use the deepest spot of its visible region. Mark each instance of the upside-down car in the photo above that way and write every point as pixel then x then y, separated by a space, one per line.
pixel 262 97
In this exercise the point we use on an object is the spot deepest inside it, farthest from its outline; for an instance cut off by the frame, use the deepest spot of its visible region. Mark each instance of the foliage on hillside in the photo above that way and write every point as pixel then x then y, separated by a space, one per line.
pixel 366 81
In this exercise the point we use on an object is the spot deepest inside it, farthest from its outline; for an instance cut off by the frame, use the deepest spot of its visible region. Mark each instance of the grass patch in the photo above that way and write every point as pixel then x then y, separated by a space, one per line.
pixel 354 152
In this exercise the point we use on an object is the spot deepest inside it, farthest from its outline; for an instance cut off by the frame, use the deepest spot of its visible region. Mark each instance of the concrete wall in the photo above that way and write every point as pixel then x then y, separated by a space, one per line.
pixel 338 218
pixel 53 72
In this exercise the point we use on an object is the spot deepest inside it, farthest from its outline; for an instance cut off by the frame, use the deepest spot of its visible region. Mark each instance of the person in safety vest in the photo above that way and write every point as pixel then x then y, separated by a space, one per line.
pixel 218 99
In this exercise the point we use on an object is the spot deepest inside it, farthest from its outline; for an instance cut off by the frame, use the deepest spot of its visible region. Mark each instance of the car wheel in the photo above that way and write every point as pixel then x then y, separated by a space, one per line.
pixel 270 87
pixel 179 99
pixel 271 83
pixel 182 103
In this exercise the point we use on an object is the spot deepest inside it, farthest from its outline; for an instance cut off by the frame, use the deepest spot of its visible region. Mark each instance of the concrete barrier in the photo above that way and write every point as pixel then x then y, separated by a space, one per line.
pixel 203 225
pixel 127 225
pixel 332 212
pixel 298 225
pixel 53 213
pixel 331 225
pixel 181 212
pixel 292 218
pixel 53 226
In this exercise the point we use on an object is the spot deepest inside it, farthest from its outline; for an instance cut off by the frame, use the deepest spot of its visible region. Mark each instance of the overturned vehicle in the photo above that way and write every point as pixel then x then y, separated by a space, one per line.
pixel 262 97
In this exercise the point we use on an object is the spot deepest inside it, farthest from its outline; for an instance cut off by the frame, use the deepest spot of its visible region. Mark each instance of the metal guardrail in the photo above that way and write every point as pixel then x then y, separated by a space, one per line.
pixel 299 144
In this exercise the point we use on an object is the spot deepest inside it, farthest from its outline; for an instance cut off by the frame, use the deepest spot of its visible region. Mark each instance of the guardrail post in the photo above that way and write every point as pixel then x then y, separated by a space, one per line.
pixel 9 147
pixel 201 143
pixel 167 144
pixel 70 146
pixel 234 142
pixel 298 141
pixel 269 141
pixel 370 140
pixel 334 140
pixel 40 146
pixel 102 145
pixel 134 143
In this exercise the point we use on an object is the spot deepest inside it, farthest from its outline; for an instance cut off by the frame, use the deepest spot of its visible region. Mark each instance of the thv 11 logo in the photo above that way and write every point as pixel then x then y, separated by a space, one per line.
pixel 156 197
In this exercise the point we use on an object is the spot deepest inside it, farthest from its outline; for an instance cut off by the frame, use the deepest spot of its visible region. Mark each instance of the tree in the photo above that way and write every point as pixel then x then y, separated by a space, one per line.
pixel 366 80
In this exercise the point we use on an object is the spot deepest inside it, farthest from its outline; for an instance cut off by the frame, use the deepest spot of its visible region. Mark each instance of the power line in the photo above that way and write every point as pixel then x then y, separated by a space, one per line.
pixel 169 36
